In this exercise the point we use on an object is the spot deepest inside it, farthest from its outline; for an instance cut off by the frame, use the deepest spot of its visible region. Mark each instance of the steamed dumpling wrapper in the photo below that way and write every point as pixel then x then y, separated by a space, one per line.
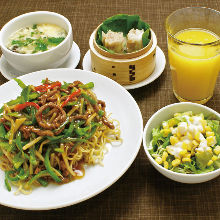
pixel 123 23
pixel 134 40
pixel 114 41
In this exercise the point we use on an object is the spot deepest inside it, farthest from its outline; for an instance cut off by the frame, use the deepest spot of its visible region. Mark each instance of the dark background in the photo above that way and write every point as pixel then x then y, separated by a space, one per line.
pixel 141 193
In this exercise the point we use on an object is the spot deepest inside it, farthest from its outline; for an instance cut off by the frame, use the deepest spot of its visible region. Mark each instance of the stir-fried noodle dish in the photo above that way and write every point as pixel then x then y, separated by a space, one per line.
pixel 51 131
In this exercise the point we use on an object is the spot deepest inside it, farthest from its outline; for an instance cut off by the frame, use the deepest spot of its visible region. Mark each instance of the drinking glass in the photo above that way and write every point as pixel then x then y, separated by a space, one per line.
pixel 194 52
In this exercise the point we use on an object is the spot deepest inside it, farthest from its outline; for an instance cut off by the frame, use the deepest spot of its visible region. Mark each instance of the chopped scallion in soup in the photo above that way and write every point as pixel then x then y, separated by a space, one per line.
pixel 36 38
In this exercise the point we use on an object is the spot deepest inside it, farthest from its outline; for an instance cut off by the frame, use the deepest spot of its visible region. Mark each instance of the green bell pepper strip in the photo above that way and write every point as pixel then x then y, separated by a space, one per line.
pixel 18 141
pixel 15 101
pixel 59 150
pixel 25 93
pixel 20 176
pixel 65 85
pixel 63 94
pixel 33 159
pixel 55 138
pixel 49 168
pixel 20 83
pixel 93 130
pixel 89 98
pixel 20 100
pixel 2 131
pixel 18 160
pixel 7 185
pixel 8 173
pixel 82 131
pixel 101 113
pixel 37 176
pixel 23 175
pixel 8 135
pixel 43 182
pixel 70 129
pixel 33 116
pixel 71 103
pixel 89 85
pixel 7 146
pixel 20 144
pixel 14 114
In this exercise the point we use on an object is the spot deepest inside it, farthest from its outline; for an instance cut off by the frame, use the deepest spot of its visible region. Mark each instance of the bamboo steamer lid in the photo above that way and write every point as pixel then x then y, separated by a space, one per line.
pixel 125 69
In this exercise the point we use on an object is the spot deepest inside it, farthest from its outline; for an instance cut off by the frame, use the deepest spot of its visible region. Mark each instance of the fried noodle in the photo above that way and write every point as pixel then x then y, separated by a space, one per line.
pixel 51 131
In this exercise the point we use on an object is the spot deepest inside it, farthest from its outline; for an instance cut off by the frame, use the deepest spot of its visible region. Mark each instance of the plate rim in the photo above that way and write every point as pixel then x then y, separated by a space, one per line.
pixel 107 185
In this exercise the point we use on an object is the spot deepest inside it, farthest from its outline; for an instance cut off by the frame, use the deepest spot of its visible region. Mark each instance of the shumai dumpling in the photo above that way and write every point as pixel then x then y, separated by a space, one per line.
pixel 134 40
pixel 114 41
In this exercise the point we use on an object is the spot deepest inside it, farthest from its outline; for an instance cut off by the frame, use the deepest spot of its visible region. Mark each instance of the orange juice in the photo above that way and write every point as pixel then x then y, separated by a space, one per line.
pixel 194 64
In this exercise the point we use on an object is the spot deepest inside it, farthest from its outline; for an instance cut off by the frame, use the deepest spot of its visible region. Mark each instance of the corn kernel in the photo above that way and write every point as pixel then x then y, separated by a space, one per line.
pixel 195 143
pixel 217 150
pixel 214 158
pixel 189 146
pixel 208 128
pixel 177 114
pixel 184 145
pixel 178 134
pixel 184 159
pixel 187 156
pixel 183 152
pixel 176 162
pixel 164 156
pixel 197 136
pixel 193 151
pixel 211 140
pixel 210 163
pixel 174 140
pixel 209 149
pixel 172 122
pixel 165 132
pixel 158 160
pixel 210 133
pixel 189 135
pixel 191 119
pixel 165 164
pixel 165 125
pixel 204 123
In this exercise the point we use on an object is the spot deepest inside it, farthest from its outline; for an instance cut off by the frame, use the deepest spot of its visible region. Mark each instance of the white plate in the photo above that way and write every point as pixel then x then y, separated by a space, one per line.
pixel 97 178
pixel 160 65
pixel 9 72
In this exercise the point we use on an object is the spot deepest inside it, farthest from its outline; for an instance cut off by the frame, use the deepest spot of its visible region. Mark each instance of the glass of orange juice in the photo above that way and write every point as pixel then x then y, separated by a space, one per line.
pixel 193 37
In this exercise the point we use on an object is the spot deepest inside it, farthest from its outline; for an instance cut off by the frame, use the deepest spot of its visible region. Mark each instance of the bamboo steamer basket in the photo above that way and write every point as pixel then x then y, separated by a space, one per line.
pixel 126 69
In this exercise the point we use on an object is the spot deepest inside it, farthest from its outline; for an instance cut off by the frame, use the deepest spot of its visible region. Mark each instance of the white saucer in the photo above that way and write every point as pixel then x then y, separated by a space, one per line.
pixel 9 72
pixel 160 65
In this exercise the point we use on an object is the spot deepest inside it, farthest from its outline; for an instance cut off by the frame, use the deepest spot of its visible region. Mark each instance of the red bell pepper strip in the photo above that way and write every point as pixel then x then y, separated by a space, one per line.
pixel 45 87
pixel 77 92
pixel 19 107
